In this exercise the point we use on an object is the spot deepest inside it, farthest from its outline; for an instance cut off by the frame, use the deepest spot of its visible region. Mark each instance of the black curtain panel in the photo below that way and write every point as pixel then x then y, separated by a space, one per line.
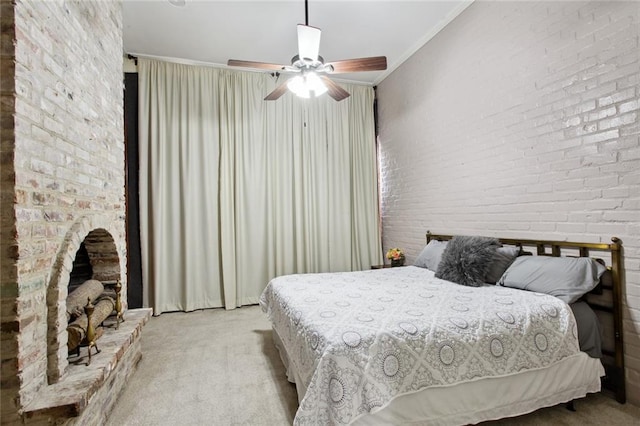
pixel 134 265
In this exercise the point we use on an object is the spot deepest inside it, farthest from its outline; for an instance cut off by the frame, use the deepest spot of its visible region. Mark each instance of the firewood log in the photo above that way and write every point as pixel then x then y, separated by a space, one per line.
pixel 77 330
pixel 109 293
pixel 90 289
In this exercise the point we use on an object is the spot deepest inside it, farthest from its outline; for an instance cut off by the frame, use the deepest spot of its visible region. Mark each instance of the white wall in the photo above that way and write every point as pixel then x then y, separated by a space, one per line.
pixel 520 119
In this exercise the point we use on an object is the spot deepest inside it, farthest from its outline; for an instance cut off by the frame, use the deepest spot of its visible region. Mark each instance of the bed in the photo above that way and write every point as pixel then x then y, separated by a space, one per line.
pixel 405 346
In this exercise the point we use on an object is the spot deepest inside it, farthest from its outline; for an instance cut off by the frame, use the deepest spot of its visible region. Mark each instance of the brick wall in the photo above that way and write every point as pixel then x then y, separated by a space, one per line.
pixel 520 119
pixel 62 166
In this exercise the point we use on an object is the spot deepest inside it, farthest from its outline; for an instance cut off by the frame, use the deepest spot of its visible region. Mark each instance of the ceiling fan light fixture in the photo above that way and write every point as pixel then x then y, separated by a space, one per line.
pixel 298 86
pixel 315 84
pixel 305 84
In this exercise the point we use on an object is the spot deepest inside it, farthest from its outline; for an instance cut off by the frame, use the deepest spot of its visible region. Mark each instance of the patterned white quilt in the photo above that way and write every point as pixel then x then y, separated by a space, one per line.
pixel 359 339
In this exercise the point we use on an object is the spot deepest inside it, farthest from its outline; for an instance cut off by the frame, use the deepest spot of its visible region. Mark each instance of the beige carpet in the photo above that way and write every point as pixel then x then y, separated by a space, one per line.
pixel 217 367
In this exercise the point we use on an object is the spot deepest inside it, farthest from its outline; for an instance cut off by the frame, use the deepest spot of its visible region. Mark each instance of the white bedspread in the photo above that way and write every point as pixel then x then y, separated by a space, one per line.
pixel 360 339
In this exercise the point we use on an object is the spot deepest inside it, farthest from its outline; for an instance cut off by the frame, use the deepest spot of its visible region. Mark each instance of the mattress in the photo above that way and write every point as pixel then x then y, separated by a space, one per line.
pixel 361 344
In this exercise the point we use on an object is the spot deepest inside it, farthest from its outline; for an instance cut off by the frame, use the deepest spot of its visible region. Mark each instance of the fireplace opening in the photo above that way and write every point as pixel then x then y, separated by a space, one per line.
pixel 94 281
pixel 91 255
pixel 82 270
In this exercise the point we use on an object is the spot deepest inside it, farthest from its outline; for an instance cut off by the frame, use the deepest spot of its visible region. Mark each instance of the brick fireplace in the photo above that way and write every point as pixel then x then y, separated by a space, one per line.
pixel 62 159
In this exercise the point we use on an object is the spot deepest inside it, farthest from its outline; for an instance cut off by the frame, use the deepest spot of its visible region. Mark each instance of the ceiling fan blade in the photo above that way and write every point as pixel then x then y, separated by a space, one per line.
pixel 277 92
pixel 308 42
pixel 374 63
pixel 252 64
pixel 334 90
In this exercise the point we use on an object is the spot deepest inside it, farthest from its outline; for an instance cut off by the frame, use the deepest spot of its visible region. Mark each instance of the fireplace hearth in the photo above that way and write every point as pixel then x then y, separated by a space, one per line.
pixel 85 394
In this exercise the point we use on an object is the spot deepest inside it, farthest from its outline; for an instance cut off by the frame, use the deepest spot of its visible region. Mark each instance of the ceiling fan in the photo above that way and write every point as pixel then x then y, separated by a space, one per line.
pixel 309 68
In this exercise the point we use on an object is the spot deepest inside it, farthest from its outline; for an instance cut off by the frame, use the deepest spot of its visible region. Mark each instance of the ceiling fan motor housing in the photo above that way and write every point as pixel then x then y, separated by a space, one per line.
pixel 306 64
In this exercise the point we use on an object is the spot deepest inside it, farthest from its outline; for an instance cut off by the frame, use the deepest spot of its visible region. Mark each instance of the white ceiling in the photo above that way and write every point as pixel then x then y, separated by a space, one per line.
pixel 214 31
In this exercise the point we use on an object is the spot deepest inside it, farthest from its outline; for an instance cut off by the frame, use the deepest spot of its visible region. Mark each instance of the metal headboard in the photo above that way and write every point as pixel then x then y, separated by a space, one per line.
pixel 614 379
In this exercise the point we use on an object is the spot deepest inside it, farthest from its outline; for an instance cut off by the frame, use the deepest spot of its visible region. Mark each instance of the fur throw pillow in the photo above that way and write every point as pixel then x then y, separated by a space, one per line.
pixel 467 259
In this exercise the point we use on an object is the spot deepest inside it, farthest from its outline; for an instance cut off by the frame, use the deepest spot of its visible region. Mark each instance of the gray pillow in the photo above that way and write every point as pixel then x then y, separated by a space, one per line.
pixel 466 260
pixel 589 329
pixel 567 278
pixel 503 257
pixel 430 255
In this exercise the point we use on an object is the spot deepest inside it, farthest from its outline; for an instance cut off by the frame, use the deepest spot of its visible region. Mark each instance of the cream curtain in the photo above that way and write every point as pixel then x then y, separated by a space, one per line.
pixel 235 190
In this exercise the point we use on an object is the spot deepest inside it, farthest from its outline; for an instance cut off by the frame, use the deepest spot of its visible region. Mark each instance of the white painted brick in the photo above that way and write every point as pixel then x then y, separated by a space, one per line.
pixel 616 192
pixel 621 216
pixel 632 130
pixel 27 111
pixel 603 113
pixel 598 204
pixel 568 185
pixel 603 136
pixel 566 164
pixel 628 106
pixel 600 92
pixel 52 65
pixel 55 97
pixel 39 166
pixel 631 179
pixel 545 143
pixel 583 217
pixel 630 154
pixel 621 46
pixel 581 130
pixel 571 228
pixel 632 80
pixel 582 151
pixel 573 121
pixel 621 72
pixel 601 182
pixel 617 97
pixel 617 121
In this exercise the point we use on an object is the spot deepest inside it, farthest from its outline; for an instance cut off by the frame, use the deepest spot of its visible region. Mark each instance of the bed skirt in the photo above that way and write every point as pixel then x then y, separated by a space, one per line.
pixel 481 400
